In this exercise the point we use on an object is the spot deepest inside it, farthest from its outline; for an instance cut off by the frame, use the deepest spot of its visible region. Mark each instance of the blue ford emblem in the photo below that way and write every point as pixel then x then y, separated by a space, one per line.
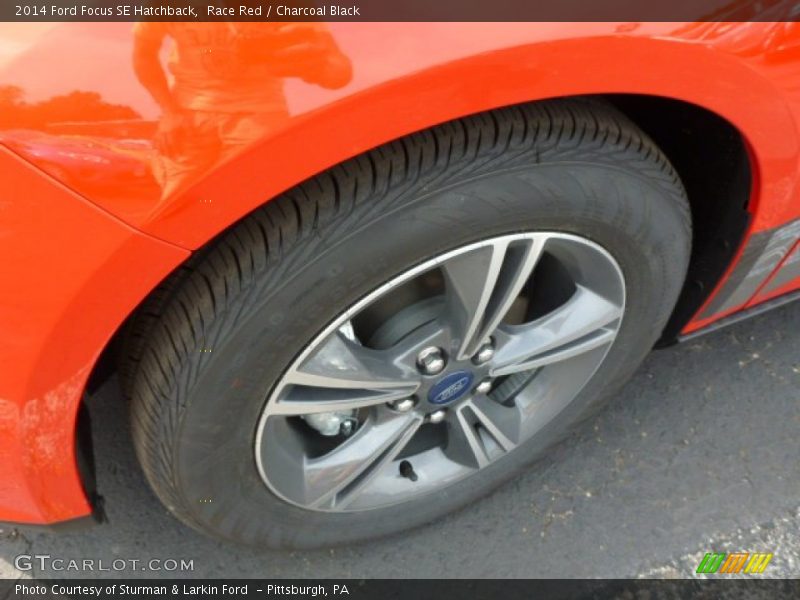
pixel 450 388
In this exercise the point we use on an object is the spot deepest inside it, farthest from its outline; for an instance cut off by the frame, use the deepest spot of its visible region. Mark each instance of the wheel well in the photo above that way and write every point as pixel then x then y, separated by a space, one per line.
pixel 709 155
pixel 711 158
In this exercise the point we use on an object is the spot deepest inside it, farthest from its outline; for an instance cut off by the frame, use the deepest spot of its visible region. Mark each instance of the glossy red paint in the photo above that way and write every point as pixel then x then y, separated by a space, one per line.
pixel 139 175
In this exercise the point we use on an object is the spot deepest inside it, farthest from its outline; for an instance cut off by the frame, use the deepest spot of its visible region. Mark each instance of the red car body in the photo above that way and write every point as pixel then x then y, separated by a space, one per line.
pixel 88 229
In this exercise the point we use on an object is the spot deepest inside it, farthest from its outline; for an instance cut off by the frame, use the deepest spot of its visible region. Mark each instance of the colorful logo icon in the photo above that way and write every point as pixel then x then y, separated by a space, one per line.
pixel 736 562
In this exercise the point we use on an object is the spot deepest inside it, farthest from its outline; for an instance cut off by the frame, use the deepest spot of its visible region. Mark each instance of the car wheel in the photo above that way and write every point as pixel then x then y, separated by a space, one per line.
pixel 394 338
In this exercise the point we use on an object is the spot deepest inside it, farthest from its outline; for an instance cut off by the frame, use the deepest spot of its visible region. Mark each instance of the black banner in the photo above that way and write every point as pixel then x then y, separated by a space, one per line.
pixel 382 589
pixel 398 10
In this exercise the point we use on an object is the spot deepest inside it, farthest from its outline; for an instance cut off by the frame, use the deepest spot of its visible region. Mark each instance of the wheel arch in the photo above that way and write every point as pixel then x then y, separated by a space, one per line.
pixel 712 159
pixel 662 84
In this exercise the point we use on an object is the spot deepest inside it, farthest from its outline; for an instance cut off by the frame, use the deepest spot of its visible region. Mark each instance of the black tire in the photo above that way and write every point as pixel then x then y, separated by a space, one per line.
pixel 272 282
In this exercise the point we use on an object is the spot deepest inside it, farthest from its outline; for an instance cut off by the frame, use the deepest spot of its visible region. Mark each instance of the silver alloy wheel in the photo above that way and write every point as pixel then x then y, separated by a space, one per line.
pixel 548 304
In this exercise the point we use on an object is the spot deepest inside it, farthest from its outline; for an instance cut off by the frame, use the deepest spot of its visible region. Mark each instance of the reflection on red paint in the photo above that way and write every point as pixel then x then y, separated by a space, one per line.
pixel 227 90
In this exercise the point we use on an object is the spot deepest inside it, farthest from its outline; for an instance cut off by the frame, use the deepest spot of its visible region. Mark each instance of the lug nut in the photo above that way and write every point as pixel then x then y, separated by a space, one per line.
pixel 347 427
pixel 437 416
pixel 484 387
pixel 484 353
pixel 431 361
pixel 403 405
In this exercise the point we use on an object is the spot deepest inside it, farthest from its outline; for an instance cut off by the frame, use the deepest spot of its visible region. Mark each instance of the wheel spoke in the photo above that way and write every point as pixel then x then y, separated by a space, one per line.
pixel 585 322
pixel 336 479
pixel 343 375
pixel 482 431
pixel 483 284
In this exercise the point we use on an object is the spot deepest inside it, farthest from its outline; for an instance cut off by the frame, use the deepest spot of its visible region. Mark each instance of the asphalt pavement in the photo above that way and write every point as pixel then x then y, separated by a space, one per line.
pixel 699 452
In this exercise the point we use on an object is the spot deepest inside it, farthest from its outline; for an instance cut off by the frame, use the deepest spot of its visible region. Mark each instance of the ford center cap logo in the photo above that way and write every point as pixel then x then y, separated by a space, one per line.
pixel 450 388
